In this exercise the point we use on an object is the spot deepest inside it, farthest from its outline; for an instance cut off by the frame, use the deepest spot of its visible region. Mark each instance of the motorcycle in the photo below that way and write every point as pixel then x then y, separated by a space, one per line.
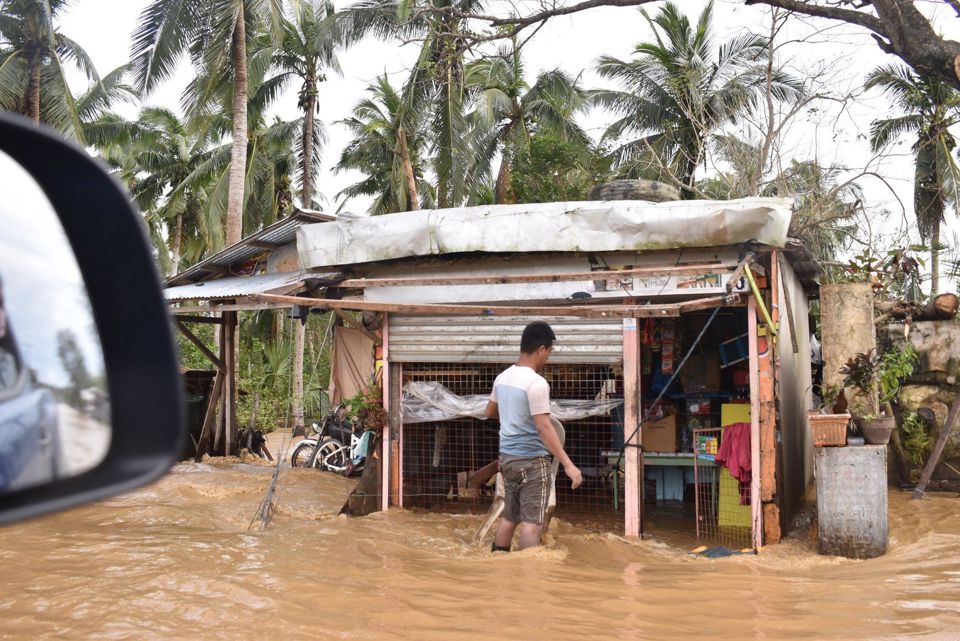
pixel 335 446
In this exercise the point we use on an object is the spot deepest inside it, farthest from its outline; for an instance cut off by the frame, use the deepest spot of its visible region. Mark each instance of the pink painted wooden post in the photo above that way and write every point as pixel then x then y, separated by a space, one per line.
pixel 385 442
pixel 755 508
pixel 633 472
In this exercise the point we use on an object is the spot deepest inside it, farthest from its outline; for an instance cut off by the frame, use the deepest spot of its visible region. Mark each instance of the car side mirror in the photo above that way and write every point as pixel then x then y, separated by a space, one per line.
pixel 90 398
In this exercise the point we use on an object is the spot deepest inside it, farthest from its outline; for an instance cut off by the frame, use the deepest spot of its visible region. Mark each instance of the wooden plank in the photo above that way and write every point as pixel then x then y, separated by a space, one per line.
pixel 633 465
pixel 738 272
pixel 755 482
pixel 583 311
pixel 213 320
pixel 563 277
pixel 209 417
pixel 199 344
pixel 241 306
pixel 357 325
pixel 776 267
pixel 709 303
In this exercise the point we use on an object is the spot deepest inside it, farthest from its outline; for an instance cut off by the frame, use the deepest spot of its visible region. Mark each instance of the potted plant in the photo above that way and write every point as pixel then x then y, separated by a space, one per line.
pixel 879 377
pixel 828 423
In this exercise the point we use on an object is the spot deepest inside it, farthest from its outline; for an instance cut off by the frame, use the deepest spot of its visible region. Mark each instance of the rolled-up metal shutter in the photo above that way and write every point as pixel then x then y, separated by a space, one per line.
pixel 494 339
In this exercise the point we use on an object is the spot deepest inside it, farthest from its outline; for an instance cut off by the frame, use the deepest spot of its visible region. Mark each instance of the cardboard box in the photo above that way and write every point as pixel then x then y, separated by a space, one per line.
pixel 659 436
pixel 701 373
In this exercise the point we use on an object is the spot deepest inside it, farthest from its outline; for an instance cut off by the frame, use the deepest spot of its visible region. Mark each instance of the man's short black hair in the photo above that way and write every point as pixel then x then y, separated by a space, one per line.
pixel 535 335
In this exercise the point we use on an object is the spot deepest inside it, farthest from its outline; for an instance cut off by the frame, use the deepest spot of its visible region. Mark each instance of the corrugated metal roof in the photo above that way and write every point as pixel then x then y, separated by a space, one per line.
pixel 455 339
pixel 235 286
pixel 282 232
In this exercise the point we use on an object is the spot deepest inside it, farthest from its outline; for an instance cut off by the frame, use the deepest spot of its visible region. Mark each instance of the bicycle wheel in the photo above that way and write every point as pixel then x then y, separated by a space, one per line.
pixel 332 456
pixel 301 453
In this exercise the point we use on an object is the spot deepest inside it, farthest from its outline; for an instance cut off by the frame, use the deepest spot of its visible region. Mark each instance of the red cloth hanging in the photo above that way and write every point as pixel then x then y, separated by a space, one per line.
pixel 734 454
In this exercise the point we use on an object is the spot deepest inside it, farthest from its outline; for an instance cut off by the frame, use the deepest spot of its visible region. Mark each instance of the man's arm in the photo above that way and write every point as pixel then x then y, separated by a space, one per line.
pixel 552 442
pixel 492 410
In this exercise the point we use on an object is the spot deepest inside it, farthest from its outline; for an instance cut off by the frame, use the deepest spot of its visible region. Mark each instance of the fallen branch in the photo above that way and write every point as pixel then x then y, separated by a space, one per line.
pixel 937 452
pixel 943 307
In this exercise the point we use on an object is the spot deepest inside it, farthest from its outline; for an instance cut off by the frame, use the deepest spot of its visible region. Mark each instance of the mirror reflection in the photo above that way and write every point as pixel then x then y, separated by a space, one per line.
pixel 54 405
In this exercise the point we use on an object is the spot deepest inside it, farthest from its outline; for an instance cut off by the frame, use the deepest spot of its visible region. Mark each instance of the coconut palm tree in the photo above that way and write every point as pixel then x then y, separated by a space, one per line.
pixel 271 148
pixel 506 108
pixel 32 57
pixel 679 89
pixel 306 50
pixel 930 107
pixel 170 186
pixel 217 34
pixel 387 147
pixel 437 84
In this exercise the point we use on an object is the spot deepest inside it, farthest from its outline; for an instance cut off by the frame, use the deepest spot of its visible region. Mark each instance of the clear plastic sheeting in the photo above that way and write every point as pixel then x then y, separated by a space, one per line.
pixel 625 225
pixel 429 401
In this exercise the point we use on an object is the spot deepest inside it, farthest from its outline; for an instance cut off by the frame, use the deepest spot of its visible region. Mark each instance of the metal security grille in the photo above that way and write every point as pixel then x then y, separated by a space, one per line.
pixel 722 504
pixel 469 339
pixel 447 465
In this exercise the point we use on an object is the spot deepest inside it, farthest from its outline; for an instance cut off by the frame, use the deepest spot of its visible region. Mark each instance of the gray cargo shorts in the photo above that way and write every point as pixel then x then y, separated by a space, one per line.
pixel 526 482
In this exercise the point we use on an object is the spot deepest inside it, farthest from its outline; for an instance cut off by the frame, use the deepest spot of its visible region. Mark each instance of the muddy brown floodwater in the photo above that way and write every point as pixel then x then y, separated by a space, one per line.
pixel 175 561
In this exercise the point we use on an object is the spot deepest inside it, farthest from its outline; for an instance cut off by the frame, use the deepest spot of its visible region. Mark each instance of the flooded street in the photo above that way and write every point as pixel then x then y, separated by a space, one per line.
pixel 176 561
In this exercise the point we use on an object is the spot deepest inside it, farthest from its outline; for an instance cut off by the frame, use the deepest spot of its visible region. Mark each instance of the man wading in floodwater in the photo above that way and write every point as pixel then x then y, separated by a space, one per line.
pixel 521 399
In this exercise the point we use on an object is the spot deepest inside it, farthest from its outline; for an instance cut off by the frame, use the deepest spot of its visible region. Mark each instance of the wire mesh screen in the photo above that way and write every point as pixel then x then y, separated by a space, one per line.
pixel 722 502
pixel 448 465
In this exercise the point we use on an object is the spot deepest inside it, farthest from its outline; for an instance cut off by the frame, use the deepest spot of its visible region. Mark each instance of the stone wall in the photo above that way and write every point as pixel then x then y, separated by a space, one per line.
pixel 935 383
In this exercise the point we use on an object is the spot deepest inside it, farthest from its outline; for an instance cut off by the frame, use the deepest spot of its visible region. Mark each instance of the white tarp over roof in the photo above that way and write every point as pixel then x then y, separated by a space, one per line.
pixel 547 227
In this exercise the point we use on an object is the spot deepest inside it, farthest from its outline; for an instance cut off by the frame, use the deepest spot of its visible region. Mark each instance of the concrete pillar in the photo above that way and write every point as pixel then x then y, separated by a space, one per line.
pixel 852 500
pixel 847 329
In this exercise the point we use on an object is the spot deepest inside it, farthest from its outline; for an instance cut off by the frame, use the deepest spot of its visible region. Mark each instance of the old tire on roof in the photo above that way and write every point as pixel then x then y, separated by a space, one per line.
pixel 629 189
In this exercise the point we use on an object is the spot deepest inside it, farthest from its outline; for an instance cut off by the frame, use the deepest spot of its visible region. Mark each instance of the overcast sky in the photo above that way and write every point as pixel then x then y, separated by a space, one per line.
pixel 840 55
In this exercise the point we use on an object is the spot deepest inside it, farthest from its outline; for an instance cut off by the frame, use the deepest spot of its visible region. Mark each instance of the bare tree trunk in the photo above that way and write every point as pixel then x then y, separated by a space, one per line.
pixel 501 192
pixel 175 243
pixel 306 197
pixel 299 330
pixel 33 91
pixel 238 155
pixel 408 172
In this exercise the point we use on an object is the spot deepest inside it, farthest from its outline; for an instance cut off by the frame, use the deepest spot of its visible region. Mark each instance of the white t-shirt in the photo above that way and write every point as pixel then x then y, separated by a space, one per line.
pixel 520 394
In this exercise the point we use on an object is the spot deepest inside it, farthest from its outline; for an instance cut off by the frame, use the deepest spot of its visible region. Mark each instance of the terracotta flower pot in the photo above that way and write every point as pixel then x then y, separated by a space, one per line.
pixel 877 431
pixel 828 429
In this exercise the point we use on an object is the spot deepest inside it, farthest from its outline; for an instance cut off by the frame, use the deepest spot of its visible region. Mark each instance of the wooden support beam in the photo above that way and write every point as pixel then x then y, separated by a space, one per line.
pixel 199 344
pixel 633 462
pixel 229 334
pixel 582 311
pixel 240 306
pixel 709 303
pixel 217 269
pixel 215 320
pixel 756 482
pixel 355 324
pixel 738 272
pixel 259 244
pixel 678 270
pixel 209 417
